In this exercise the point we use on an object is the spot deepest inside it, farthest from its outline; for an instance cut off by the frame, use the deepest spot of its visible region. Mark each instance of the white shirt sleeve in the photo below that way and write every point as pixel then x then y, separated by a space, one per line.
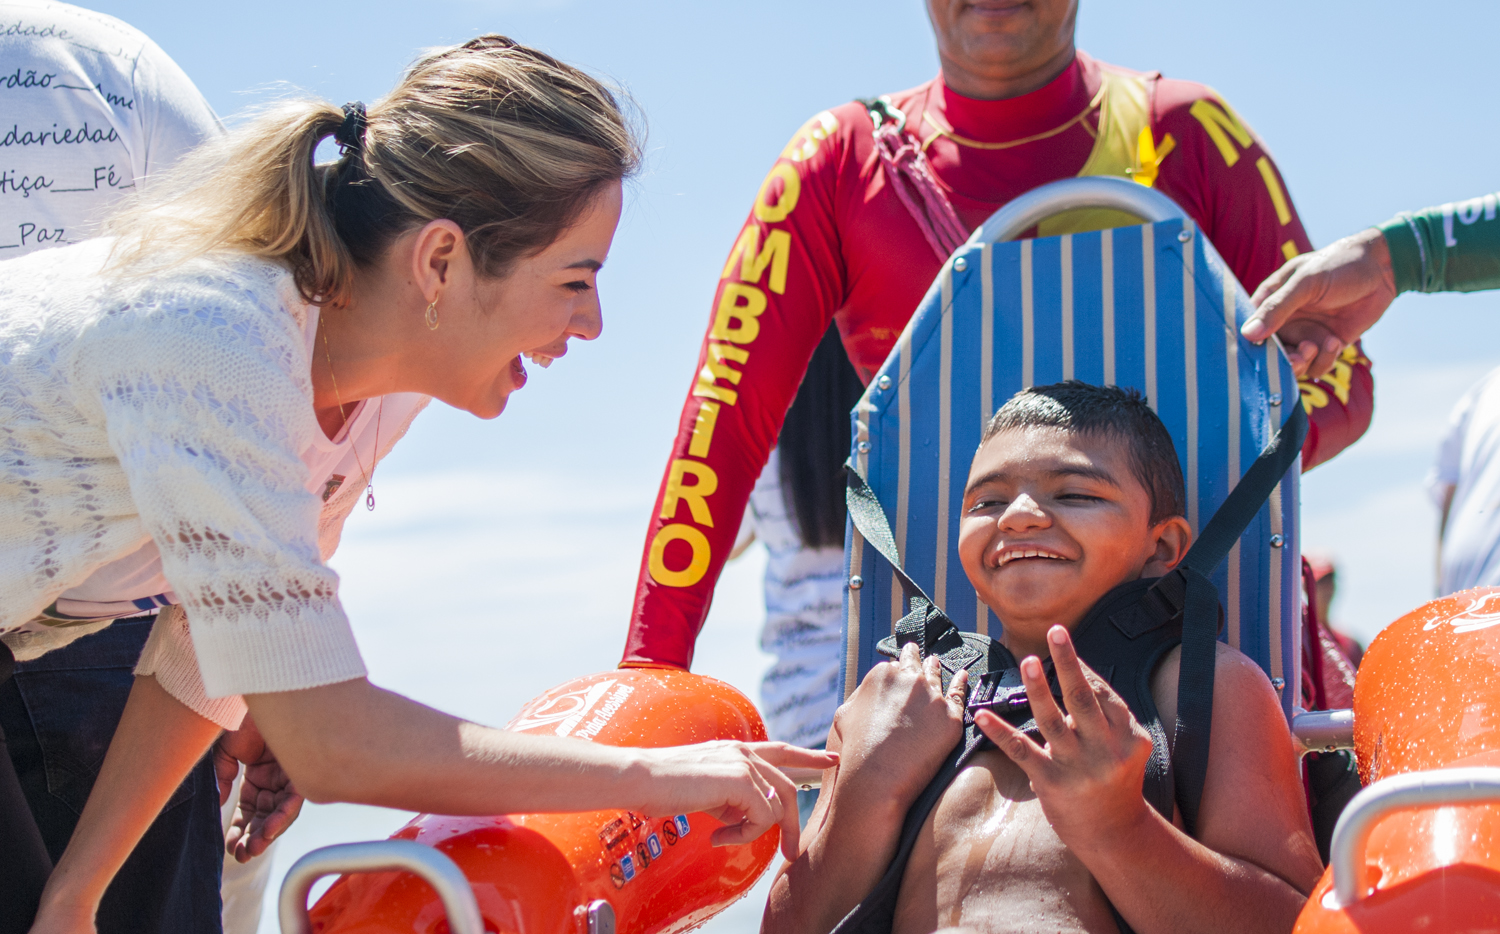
pixel 204 394
pixel 169 657
pixel 1447 469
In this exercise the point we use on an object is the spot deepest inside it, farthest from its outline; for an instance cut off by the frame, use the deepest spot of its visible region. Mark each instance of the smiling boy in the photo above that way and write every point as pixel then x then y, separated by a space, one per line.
pixel 1075 492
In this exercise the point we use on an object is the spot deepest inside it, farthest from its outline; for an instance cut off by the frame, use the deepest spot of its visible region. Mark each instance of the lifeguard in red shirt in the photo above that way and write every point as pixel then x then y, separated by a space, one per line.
pixel 868 199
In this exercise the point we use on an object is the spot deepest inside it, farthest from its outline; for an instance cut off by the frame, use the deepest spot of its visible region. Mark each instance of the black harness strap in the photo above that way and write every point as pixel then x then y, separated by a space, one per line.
pixel 925 623
pixel 1189 591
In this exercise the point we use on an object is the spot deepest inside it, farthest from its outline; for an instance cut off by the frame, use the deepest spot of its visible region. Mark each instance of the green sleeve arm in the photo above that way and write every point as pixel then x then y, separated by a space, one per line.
pixel 1449 248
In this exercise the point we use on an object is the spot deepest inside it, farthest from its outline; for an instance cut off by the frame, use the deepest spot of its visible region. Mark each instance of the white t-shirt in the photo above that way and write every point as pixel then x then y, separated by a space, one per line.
pixel 91 105
pixel 1469 462
pixel 804 620
pixel 88 106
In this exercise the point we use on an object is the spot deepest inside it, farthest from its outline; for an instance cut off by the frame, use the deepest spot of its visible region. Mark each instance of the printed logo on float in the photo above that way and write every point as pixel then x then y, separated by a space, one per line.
pixel 1481 613
pixel 566 710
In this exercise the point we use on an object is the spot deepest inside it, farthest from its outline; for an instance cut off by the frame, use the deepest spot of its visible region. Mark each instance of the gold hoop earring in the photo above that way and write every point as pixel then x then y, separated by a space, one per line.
pixel 432 317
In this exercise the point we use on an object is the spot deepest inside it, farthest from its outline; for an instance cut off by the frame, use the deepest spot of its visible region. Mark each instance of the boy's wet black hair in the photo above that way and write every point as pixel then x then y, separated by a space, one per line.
pixel 1104 410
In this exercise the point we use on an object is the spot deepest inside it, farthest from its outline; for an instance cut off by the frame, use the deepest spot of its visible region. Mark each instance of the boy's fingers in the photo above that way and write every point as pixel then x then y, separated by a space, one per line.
pixel 1021 749
pixel 1077 687
pixel 1049 718
pixel 1116 711
pixel 958 692
pixel 932 670
pixel 911 656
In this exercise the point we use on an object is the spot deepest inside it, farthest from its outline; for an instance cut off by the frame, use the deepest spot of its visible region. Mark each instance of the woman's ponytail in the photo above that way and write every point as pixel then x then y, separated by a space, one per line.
pixel 505 141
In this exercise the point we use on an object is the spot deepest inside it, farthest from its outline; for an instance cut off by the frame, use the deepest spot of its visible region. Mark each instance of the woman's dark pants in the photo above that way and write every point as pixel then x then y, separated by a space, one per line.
pixel 57 715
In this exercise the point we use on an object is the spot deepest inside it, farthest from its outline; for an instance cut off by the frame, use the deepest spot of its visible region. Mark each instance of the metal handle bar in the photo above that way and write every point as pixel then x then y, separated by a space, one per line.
pixel 1323 730
pixel 436 869
pixel 1093 191
pixel 1436 788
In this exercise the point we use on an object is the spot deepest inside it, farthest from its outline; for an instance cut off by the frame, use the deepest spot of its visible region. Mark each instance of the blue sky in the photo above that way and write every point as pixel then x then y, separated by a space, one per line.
pixel 498 541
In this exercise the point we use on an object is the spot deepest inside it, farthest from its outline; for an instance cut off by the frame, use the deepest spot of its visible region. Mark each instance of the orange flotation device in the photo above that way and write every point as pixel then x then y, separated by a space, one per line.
pixel 544 873
pixel 1414 856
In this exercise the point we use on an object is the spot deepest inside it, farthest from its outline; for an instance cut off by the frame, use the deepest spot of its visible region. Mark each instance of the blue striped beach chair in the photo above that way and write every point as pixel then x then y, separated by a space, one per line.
pixel 1151 307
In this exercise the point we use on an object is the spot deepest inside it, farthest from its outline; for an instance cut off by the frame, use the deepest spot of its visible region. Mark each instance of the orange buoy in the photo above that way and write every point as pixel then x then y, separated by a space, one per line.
pixel 1427 698
pixel 541 873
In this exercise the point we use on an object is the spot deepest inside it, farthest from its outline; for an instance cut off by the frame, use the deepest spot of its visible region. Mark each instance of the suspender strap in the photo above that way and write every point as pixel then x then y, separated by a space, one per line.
pixel 925 623
pixel 1188 589
pixel 869 518
pixel 1244 501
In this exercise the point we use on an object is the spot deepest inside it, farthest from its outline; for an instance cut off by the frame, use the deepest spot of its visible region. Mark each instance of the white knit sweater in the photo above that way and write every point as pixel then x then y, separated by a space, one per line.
pixel 172 407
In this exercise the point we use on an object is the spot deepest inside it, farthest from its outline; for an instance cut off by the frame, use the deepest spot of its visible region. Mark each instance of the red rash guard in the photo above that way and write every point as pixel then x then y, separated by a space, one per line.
pixel 828 239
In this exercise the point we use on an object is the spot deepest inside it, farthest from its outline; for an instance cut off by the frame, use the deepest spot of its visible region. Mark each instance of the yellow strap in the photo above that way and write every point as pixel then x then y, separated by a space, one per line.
pixel 1124 123
pixel 1150 156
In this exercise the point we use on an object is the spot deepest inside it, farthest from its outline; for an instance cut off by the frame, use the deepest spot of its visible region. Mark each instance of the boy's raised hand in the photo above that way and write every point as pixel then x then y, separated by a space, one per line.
pixel 1088 777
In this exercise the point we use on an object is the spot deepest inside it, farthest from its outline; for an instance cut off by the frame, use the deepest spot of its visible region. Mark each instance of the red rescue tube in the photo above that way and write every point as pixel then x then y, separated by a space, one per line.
pixel 538 873
pixel 1427 697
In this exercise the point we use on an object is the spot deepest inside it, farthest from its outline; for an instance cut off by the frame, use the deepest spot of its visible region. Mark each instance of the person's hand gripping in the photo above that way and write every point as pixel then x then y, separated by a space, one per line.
pixel 1088 776
pixel 1320 302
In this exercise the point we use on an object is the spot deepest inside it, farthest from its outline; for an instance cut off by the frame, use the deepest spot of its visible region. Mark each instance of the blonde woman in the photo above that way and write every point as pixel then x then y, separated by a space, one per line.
pixel 190 408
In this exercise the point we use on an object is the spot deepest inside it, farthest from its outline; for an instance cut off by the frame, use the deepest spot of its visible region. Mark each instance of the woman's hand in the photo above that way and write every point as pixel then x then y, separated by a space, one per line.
pixel 898 725
pixel 740 784
pixel 268 802
pixel 1320 302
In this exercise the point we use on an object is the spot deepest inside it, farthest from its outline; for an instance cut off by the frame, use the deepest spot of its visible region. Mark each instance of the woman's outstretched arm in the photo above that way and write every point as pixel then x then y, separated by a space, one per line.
pixel 355 742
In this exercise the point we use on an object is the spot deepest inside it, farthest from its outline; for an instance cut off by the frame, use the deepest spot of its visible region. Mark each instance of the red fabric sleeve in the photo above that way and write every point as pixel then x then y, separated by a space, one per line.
pixel 779 289
pixel 1219 170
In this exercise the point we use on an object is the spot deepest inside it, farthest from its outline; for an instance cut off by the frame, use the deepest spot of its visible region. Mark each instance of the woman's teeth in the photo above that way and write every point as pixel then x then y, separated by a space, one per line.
pixel 540 359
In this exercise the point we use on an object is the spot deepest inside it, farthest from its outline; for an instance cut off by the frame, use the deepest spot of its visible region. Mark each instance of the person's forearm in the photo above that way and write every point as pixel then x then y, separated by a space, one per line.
pixel 1162 880
pixel 842 859
pixel 354 742
pixel 358 743
pixel 154 748
pixel 1449 248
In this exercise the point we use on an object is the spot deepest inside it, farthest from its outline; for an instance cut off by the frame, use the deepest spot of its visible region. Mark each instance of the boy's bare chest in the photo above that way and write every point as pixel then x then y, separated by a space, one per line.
pixel 989 860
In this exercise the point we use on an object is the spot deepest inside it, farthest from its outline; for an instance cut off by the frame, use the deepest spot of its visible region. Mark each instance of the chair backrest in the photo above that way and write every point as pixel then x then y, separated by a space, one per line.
pixel 1151 307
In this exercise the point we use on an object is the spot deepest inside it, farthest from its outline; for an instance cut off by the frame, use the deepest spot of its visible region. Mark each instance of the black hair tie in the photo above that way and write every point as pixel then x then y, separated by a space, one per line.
pixel 351 133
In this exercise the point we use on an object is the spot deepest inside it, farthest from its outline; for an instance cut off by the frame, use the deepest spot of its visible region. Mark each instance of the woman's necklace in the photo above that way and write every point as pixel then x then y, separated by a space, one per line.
pixel 370 476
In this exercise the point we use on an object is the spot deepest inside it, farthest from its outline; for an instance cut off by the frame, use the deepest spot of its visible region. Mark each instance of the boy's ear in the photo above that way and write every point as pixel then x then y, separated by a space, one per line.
pixel 1170 539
